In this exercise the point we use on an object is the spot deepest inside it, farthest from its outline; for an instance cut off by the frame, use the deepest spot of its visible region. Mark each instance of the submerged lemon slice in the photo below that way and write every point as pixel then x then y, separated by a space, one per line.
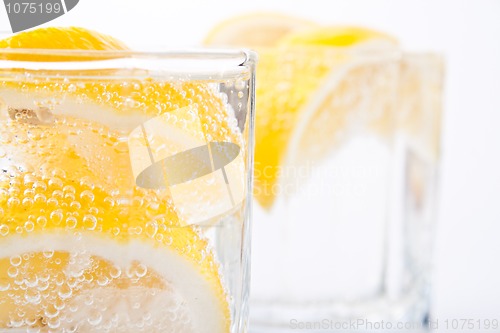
pixel 310 86
pixel 72 251
pixel 82 248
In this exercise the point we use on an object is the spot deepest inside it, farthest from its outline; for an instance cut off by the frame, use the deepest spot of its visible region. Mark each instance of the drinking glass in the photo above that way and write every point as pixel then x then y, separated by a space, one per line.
pixel 344 226
pixel 125 190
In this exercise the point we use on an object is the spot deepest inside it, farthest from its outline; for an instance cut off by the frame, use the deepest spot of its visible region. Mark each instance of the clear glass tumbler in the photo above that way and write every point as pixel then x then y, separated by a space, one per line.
pixel 125 190
pixel 347 150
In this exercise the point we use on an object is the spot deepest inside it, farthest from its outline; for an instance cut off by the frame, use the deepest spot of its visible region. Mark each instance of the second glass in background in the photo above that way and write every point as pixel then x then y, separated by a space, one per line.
pixel 345 222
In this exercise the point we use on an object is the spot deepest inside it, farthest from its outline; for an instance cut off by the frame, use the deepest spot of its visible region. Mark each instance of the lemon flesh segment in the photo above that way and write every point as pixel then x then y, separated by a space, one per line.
pixel 255 30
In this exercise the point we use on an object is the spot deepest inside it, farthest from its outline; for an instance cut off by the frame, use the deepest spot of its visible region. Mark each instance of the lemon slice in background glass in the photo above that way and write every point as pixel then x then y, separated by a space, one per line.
pixel 309 83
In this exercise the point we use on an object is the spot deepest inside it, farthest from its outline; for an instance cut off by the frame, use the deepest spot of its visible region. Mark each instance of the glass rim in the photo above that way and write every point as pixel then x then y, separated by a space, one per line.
pixel 195 63
pixel 356 51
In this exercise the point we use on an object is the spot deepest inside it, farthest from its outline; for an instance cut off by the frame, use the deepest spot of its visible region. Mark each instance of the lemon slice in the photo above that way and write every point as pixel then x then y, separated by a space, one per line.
pixel 308 93
pixel 82 248
pixel 68 38
pixel 255 30
pixel 71 252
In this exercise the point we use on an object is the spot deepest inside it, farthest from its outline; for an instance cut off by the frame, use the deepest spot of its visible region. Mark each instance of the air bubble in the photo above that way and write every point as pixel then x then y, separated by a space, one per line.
pixel 57 194
pixel 39 186
pixel 55 183
pixel 240 84
pixel 29 180
pixel 151 229
pixel 42 285
pixel 31 280
pixel 59 304
pixel 65 292
pixel 56 216
pixel 13 202
pixel 40 198
pixel 169 240
pixel 58 173
pixel 134 230
pixel 4 194
pixel 89 299
pixel 71 222
pixel 32 296
pixel 42 276
pixel 29 226
pixel 53 323
pixel 94 318
pixel 102 281
pixel 48 254
pixel 51 311
pixel 16 261
pixel 53 202
pixel 4 286
pixel 27 202
pixel 129 103
pixel 17 322
pixel 89 222
pixel 141 270
pixel 87 182
pixel 41 221
pixel 75 205
pixel 69 189
pixel 87 197
pixel 115 272
pixel 12 272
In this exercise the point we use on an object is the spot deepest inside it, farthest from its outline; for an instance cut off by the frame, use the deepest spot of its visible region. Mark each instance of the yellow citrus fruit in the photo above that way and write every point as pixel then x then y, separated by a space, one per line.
pixel 70 38
pixel 81 246
pixel 310 86
pixel 62 38
pixel 255 30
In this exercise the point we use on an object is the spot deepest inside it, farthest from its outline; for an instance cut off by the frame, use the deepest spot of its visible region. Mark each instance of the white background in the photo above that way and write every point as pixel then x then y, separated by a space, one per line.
pixel 467 33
